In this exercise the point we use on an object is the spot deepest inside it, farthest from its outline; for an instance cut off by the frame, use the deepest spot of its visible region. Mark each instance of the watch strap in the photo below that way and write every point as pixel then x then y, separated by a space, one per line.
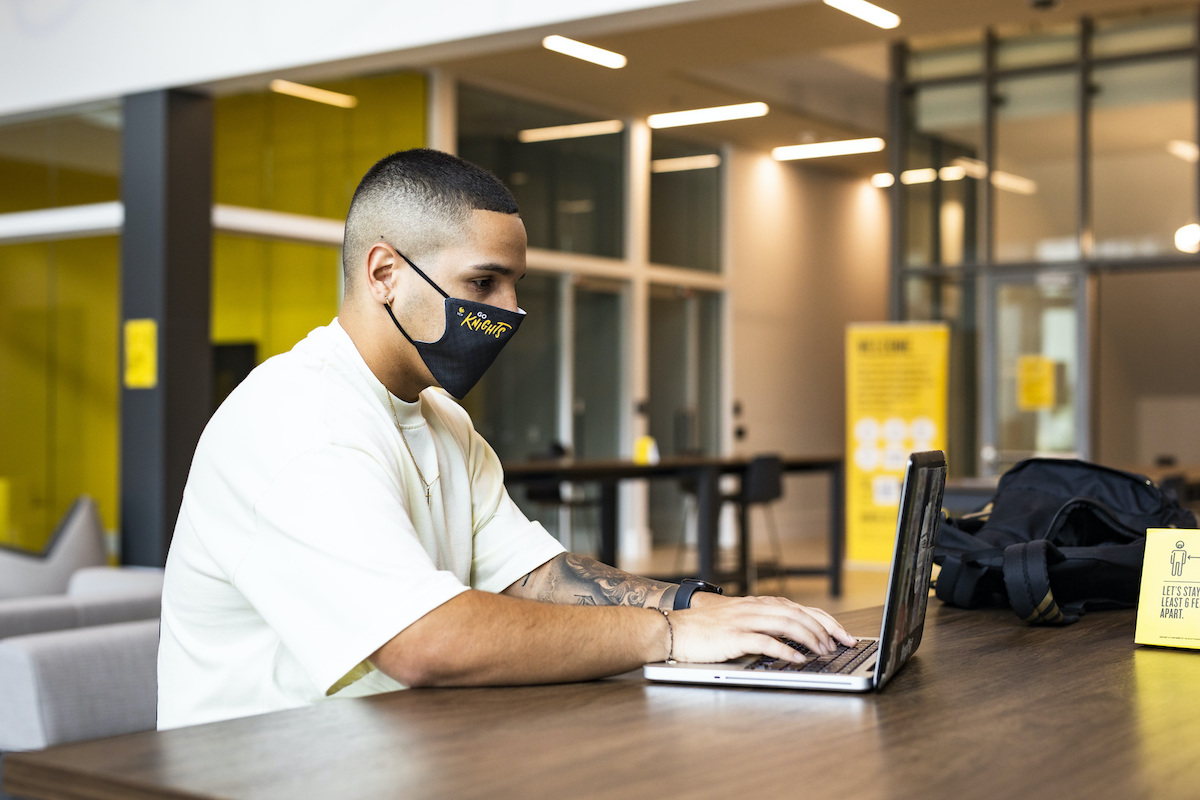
pixel 687 588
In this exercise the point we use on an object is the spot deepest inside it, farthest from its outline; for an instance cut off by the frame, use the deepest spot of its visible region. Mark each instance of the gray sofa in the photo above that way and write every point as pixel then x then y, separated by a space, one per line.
pixel 83 683
pixel 80 665
pixel 77 542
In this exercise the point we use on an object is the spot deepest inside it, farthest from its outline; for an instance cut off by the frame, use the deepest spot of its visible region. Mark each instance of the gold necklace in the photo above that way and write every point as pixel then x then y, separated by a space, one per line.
pixel 427 484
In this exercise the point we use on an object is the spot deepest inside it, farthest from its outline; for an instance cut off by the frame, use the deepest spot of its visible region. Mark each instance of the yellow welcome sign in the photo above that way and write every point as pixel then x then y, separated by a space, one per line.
pixel 896 386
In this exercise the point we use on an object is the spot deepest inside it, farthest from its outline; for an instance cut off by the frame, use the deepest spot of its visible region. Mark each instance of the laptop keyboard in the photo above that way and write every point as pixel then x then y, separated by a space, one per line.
pixel 841 661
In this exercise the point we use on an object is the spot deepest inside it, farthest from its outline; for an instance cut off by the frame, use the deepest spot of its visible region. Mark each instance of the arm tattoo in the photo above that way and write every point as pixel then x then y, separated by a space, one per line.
pixel 584 581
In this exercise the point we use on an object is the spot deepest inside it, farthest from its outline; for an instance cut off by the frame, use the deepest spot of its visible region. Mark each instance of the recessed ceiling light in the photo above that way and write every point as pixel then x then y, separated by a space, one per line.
pixel 1013 183
pixel 1187 238
pixel 576 131
pixel 1184 150
pixel 585 52
pixel 925 175
pixel 867 12
pixel 971 167
pixel 843 147
pixel 699 116
pixel 313 93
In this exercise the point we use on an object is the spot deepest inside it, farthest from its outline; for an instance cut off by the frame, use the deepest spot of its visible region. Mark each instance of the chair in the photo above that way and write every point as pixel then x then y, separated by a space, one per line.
pixel 77 542
pixel 762 484
pixel 84 683
pixel 562 496
pixel 83 664
pixel 92 581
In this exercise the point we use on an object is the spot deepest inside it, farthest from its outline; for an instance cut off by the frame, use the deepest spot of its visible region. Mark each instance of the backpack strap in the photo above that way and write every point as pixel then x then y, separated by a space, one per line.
pixel 958 582
pixel 1027 582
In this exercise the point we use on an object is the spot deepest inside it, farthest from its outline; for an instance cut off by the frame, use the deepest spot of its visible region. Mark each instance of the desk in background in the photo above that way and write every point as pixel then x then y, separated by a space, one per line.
pixel 988 708
pixel 705 471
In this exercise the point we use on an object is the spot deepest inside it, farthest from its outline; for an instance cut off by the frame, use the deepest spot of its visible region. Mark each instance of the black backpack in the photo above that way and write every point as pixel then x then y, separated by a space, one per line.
pixel 1059 537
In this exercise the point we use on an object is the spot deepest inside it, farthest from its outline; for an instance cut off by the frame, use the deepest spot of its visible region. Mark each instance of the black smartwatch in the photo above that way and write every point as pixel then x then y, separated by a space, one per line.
pixel 688 587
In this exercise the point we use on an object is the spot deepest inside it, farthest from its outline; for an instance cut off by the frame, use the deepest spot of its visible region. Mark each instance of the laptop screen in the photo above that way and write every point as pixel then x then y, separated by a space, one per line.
pixel 912 564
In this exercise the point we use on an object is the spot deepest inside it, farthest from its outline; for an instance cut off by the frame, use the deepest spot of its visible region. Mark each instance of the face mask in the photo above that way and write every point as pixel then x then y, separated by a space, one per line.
pixel 475 335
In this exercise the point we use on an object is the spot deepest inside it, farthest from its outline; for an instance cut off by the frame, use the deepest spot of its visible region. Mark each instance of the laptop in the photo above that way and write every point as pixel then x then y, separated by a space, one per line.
pixel 874 660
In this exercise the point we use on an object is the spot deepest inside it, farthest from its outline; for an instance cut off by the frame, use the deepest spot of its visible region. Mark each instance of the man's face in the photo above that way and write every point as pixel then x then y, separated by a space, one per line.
pixel 483 265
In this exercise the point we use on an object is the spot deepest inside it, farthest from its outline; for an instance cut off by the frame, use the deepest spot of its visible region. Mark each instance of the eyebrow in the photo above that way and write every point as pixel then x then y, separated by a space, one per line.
pixel 499 269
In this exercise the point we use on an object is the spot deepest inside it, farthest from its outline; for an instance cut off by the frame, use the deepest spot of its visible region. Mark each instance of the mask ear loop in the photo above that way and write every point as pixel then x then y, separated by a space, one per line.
pixel 428 280
pixel 422 274
pixel 395 321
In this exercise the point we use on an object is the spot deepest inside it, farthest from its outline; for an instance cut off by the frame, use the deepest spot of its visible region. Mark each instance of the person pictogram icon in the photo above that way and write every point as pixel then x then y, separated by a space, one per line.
pixel 1179 557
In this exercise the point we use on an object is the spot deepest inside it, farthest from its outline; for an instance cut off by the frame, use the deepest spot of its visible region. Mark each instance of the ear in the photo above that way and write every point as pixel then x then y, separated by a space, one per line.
pixel 381 271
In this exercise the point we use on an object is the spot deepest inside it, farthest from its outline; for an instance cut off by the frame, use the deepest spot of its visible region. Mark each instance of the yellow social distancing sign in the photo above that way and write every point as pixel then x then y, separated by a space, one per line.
pixel 1169 602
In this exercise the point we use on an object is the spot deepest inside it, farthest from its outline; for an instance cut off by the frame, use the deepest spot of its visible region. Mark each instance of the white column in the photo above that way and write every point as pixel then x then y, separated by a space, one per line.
pixel 634 532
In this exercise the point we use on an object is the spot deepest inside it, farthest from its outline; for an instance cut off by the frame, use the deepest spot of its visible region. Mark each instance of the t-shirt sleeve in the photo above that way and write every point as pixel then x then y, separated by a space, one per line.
pixel 508 545
pixel 336 568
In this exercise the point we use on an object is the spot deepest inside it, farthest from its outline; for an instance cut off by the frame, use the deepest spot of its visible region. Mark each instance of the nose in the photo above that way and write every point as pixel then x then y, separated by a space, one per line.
pixel 507 299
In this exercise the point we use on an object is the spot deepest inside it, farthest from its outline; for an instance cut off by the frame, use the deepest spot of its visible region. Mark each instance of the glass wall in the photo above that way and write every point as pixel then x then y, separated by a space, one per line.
pixel 952 299
pixel 574 326
pixel 685 204
pixel 59 308
pixel 1037 385
pixel 1143 156
pixel 570 187
pixel 1035 179
pixel 941 180
pixel 1064 149
pixel 599 368
pixel 684 390
pixel 515 405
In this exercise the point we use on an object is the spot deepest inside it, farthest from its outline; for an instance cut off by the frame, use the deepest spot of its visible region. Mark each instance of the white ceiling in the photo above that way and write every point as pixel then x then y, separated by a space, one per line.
pixel 823 72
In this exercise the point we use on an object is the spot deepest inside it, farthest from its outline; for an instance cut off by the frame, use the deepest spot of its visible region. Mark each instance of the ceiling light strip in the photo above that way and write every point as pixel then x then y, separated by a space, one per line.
pixel 969 168
pixel 584 52
pixel 685 163
pixel 576 131
pixel 700 116
pixel 843 147
pixel 867 12
pixel 314 94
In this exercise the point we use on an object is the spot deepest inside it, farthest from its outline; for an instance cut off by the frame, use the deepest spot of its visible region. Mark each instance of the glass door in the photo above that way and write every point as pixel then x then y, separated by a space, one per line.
pixel 1035 397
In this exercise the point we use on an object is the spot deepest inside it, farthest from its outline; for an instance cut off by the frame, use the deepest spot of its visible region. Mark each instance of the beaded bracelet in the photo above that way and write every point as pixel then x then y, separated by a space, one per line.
pixel 671 633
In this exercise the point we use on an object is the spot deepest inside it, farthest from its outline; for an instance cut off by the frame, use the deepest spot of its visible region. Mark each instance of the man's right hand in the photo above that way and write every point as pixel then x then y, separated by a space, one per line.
pixel 720 628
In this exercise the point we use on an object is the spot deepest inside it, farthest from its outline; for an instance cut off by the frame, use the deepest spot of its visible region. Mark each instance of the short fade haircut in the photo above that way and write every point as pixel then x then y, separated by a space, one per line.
pixel 418 201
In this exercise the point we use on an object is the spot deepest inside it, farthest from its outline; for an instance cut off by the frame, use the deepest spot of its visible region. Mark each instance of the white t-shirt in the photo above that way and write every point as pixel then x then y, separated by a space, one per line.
pixel 305 540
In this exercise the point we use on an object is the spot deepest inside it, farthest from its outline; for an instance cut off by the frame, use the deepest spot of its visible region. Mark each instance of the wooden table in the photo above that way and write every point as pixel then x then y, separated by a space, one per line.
pixel 988 708
pixel 705 472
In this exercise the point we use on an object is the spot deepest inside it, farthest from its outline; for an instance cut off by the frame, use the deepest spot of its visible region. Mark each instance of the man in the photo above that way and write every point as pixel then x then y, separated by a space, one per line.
pixel 345 531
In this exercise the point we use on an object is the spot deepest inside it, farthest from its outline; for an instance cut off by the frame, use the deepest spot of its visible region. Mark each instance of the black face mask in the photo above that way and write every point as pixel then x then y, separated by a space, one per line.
pixel 475 334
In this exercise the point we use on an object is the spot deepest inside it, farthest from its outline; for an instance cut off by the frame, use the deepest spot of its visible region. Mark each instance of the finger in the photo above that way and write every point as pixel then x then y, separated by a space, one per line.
pixel 800 627
pixel 774 648
pixel 783 618
pixel 832 626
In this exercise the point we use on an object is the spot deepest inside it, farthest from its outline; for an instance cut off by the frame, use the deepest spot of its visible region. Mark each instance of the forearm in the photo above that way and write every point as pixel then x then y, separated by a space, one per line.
pixel 572 579
pixel 479 638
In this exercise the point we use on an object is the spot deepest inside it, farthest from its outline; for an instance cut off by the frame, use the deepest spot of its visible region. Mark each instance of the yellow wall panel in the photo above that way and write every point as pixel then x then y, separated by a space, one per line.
pixel 286 154
pixel 60 302
pixel 58 393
